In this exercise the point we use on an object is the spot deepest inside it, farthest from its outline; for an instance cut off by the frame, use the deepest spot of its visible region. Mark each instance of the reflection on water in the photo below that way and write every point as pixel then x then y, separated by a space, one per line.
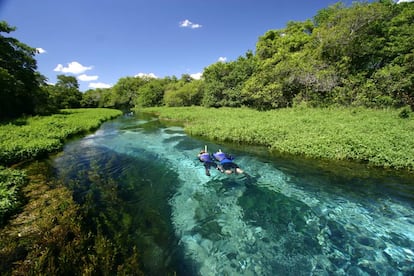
pixel 143 186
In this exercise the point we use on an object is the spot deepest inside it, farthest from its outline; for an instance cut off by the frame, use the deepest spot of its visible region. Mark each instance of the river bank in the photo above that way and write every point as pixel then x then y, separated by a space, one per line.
pixel 33 138
pixel 42 228
pixel 132 197
pixel 379 138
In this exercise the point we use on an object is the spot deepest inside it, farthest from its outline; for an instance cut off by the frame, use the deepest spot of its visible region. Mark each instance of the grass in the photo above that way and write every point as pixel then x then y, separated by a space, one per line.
pixel 380 138
pixel 28 138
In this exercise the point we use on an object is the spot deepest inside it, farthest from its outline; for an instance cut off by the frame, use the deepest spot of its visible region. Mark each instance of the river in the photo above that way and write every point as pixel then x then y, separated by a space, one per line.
pixel 282 217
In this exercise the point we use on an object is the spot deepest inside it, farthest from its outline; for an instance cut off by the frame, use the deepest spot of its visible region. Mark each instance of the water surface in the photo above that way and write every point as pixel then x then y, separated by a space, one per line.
pixel 146 188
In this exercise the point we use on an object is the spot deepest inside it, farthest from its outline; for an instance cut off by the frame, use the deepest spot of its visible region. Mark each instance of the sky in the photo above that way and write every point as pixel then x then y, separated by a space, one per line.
pixel 101 41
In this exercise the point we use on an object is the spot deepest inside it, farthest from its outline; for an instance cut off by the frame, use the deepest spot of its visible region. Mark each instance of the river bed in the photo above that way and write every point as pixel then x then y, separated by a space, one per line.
pixel 281 217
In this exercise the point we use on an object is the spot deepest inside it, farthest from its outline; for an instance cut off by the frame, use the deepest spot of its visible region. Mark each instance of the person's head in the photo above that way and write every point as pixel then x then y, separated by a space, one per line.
pixel 202 151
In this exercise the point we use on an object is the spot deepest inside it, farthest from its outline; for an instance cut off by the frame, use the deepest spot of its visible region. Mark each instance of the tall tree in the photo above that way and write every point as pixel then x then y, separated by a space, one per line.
pixel 19 80
pixel 66 92
pixel 223 81
pixel 125 91
pixel 282 70
pixel 185 92
pixel 151 92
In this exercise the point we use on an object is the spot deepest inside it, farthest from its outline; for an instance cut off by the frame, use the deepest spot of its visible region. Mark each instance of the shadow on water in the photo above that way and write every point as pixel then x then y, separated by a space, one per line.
pixel 140 184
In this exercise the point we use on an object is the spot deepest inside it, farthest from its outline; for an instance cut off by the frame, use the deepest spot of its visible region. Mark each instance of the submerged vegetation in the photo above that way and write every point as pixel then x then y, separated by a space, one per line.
pixel 83 226
pixel 50 232
pixel 34 137
pixel 11 184
pixel 379 137
pixel 50 235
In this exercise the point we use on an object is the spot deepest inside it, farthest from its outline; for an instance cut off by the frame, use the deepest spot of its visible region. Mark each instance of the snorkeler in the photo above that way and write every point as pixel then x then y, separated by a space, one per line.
pixel 226 163
pixel 208 162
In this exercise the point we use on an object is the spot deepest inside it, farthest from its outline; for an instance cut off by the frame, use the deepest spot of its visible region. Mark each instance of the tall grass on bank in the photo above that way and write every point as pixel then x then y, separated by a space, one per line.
pixel 379 137
pixel 31 137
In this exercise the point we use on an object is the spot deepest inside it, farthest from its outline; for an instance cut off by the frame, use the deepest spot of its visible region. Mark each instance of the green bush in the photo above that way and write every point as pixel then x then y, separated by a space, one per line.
pixel 404 113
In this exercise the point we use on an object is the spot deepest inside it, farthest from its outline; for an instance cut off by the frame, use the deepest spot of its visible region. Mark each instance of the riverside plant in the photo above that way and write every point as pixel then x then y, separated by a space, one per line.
pixel 33 137
pixel 379 137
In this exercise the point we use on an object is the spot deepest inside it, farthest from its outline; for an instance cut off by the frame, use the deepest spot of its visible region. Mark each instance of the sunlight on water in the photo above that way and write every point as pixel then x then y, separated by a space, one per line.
pixel 268 222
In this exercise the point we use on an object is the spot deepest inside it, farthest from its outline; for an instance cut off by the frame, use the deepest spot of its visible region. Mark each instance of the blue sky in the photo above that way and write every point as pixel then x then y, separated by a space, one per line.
pixel 102 41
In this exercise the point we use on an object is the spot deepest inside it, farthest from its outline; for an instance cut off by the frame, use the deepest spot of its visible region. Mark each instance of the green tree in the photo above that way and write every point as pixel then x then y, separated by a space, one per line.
pixel 19 80
pixel 65 93
pixel 186 92
pixel 125 91
pixel 91 98
pixel 370 45
pixel 223 81
pixel 151 92
pixel 357 55
pixel 282 70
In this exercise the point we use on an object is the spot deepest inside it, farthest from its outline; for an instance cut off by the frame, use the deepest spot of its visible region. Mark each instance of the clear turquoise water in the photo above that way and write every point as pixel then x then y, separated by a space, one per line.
pixel 144 184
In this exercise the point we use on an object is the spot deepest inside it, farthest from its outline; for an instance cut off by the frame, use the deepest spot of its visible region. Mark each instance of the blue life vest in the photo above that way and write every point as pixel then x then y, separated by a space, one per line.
pixel 226 160
pixel 219 155
pixel 222 157
pixel 205 157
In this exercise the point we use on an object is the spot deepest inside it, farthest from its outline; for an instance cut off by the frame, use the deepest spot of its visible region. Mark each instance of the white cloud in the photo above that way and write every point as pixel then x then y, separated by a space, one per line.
pixel 196 26
pixel 401 1
pixel 85 77
pixel 73 67
pixel 222 59
pixel 196 76
pixel 188 24
pixel 95 85
pixel 40 51
pixel 146 75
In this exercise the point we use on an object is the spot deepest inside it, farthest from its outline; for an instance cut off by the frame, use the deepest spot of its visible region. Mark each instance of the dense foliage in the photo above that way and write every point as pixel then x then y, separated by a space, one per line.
pixel 361 55
pixel 23 90
pixel 65 93
pixel 378 137
pixel 358 55
pixel 19 81
pixel 131 92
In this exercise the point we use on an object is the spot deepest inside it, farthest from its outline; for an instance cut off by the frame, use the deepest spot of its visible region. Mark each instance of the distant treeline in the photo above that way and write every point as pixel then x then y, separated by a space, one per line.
pixel 358 55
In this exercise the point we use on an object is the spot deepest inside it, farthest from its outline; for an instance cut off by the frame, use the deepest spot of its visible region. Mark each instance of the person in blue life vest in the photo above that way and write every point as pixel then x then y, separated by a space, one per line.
pixel 226 163
pixel 208 162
